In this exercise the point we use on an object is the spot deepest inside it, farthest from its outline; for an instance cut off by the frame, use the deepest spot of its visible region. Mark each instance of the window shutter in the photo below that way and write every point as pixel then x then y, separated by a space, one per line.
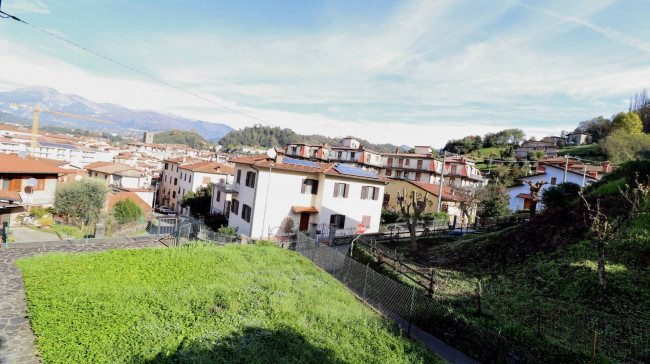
pixel 253 179
pixel 365 220
pixel 336 190
pixel 302 189
pixel 346 188
pixel 375 193
pixel 239 176
pixel 314 187
pixel 342 221
pixel 364 192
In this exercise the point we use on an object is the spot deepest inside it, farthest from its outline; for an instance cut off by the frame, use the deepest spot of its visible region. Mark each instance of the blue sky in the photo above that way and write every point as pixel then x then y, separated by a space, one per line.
pixel 406 72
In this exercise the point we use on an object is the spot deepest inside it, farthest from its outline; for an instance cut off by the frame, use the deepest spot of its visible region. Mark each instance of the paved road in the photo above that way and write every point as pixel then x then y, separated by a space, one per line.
pixel 16 336
pixel 25 234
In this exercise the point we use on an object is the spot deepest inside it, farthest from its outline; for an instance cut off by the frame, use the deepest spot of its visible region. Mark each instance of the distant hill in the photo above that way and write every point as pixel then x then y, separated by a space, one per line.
pixel 126 120
pixel 268 137
pixel 191 138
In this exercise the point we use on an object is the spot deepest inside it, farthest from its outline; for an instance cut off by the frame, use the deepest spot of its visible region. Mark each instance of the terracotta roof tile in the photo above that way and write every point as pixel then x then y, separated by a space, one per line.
pixel 123 195
pixel 10 196
pixel 11 163
pixel 300 209
pixel 209 167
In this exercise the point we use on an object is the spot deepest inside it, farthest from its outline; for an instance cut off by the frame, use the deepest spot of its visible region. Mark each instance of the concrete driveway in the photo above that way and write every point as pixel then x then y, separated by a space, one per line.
pixel 27 235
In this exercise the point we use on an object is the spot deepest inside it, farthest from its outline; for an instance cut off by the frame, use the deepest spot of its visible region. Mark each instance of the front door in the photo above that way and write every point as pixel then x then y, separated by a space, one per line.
pixel 304 221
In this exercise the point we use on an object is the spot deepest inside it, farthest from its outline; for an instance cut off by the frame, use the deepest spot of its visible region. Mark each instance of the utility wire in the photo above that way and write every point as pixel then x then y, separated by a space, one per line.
pixel 5 15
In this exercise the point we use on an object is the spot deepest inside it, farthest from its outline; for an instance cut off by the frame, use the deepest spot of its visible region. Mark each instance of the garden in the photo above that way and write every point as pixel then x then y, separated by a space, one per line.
pixel 200 303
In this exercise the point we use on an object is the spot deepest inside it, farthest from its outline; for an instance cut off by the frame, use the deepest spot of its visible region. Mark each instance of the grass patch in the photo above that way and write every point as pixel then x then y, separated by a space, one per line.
pixel 67 231
pixel 203 304
pixel 592 151
pixel 610 187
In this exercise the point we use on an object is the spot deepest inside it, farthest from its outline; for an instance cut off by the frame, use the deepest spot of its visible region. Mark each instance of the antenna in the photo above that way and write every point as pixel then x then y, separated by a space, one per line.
pixel 271 153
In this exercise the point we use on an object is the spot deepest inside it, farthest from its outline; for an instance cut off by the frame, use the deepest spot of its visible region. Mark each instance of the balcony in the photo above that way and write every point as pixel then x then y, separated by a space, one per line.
pixel 228 187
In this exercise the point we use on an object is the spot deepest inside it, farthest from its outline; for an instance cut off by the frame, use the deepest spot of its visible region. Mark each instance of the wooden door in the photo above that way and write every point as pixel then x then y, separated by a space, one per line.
pixel 304 221
pixel 528 204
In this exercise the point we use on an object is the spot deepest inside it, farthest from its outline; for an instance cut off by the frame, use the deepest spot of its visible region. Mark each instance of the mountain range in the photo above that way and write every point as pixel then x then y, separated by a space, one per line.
pixel 126 121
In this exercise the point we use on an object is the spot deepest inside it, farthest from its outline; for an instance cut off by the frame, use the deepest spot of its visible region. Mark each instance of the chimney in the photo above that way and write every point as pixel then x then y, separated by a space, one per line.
pixel 592 174
pixel 279 158
pixel 606 167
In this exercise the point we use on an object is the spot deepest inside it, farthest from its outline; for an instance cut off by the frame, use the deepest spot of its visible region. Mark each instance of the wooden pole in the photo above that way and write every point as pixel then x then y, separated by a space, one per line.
pixel 593 347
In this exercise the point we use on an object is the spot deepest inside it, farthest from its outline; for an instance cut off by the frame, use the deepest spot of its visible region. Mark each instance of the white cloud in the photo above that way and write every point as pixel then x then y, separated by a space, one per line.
pixel 25 6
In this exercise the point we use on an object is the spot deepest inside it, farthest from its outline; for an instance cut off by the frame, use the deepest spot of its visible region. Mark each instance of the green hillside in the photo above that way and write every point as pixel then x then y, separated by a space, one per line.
pixel 189 138
pixel 268 137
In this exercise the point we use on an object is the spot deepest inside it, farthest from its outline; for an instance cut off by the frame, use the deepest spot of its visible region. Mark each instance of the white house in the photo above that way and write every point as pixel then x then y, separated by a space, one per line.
pixel 193 176
pixel 275 195
pixel 520 198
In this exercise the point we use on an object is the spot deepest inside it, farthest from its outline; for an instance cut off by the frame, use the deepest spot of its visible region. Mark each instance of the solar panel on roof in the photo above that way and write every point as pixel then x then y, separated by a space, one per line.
pixel 354 171
pixel 300 162
pixel 65 146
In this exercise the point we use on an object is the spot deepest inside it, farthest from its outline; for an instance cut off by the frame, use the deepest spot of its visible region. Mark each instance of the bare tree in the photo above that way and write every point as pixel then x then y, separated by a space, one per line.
pixel 468 202
pixel 605 228
pixel 417 203
pixel 640 104
pixel 535 188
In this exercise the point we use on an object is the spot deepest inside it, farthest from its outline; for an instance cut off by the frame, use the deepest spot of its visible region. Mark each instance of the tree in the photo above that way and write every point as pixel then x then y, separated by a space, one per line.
pixel 628 122
pixel 468 201
pixel 621 146
pixel 560 195
pixel 640 104
pixel 493 201
pixel 126 211
pixel 597 128
pixel 198 202
pixel 79 200
pixel 605 228
pixel 535 188
pixel 417 203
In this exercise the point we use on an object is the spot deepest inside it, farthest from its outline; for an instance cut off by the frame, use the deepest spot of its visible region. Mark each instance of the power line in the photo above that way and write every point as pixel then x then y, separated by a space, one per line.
pixel 5 15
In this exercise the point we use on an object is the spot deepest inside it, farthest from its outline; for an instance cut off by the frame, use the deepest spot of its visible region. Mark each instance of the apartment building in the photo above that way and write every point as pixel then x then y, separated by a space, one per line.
pixel 193 176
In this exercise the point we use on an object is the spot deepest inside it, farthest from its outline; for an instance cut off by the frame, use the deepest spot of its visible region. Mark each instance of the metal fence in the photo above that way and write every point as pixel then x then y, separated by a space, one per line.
pixel 401 302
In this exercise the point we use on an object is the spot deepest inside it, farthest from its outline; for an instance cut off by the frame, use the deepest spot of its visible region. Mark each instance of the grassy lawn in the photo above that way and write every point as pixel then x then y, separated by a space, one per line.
pixel 590 151
pixel 231 304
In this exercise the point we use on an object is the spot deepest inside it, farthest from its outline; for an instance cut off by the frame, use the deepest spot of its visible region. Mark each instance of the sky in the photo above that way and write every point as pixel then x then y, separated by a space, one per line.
pixel 406 72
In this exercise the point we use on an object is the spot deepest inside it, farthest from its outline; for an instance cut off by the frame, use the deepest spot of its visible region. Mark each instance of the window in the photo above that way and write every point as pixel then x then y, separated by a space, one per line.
pixel 390 162
pixel 238 176
pixel 407 162
pixel 399 174
pixel 369 193
pixel 190 179
pixel 173 194
pixel 175 181
pixel 246 213
pixel 309 186
pixel 15 184
pixel 341 190
pixel 368 159
pixel 234 206
pixel 386 199
pixel 419 164
pixel 340 154
pixel 95 174
pixel 389 172
pixel 250 179
pixel 418 175
pixel 166 165
pixel 553 180
pixel 337 221
pixel 185 177
pixel 352 155
pixel 40 185
pixel 218 196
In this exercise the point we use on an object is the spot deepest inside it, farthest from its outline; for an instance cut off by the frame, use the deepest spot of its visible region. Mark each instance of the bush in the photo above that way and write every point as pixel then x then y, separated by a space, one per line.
pixel 434 216
pixel 389 217
pixel 46 221
pixel 227 230
pixel 620 146
pixel 561 195
pixel 126 211
pixel 39 212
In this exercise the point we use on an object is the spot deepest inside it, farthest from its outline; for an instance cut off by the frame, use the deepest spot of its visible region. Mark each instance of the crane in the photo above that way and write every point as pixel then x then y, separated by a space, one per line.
pixel 38 111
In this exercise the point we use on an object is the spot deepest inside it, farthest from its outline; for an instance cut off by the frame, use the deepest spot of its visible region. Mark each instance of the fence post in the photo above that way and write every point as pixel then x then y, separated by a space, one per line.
pixel 411 310
pixel 593 346
pixel 432 282
pixel 87 229
pixel 5 233
pixel 365 281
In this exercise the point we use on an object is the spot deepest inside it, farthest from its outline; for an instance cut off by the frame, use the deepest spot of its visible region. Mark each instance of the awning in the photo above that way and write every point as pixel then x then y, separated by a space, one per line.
pixel 525 196
pixel 301 209
pixel 12 196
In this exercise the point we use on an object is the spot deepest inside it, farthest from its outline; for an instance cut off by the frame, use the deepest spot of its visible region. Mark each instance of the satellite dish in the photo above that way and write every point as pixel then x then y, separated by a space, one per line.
pixel 32 182
pixel 22 154
pixel 78 178
pixel 271 153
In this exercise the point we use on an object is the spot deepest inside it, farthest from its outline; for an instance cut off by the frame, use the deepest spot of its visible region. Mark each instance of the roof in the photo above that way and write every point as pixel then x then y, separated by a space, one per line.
pixel 182 160
pixel 123 195
pixel 324 168
pixel 300 209
pixel 13 196
pixel 209 167
pixel 54 162
pixel 11 163
pixel 434 189
pixel 108 168
pixel 525 196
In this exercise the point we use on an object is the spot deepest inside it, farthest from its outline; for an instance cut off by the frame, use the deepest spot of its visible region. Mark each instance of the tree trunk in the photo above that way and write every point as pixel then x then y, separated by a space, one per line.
pixel 533 208
pixel 601 264
pixel 413 245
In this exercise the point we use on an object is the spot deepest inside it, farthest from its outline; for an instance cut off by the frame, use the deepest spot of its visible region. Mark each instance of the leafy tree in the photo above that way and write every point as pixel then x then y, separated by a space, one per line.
pixel 191 138
pixel 417 203
pixel 198 202
pixel 493 201
pixel 597 128
pixel 560 195
pixel 126 211
pixel 621 146
pixel 628 122
pixel 78 200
